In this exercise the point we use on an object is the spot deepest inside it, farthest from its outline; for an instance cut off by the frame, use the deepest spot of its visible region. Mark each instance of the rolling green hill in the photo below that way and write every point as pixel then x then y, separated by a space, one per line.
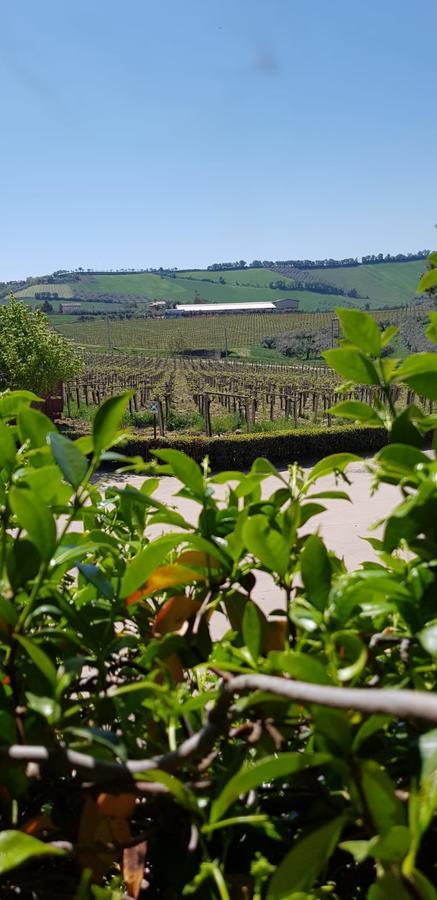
pixel 383 284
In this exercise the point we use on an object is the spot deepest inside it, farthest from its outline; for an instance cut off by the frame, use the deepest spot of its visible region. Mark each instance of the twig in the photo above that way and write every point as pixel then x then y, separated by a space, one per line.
pixel 397 703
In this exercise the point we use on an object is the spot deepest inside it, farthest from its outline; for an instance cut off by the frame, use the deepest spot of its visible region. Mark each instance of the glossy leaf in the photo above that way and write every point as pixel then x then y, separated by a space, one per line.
pixel 316 571
pixel 183 467
pixel 267 544
pixel 17 848
pixel 71 461
pixel 108 420
pixel 304 862
pixel 35 518
pixel 264 770
pixel 352 365
pixel 361 329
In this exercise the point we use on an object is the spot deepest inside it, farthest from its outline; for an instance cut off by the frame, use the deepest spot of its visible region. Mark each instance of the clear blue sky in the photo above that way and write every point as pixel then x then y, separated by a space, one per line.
pixel 182 132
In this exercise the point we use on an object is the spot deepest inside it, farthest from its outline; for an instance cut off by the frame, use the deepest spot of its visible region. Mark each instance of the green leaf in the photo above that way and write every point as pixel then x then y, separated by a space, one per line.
pixel 252 629
pixel 143 564
pixel 428 638
pixel 419 371
pixel 401 459
pixel 431 331
pixel 360 329
pixel 16 848
pixel 39 657
pixel 428 281
pixel 352 365
pixel 304 862
pixel 261 772
pixel 267 544
pixel 354 409
pixel 183 467
pixel 7 448
pixel 35 518
pixel 316 571
pixel 12 401
pixel 336 462
pixel 384 807
pixel 34 426
pixel 300 666
pixel 22 563
pixel 355 655
pixel 174 785
pixel 388 888
pixel 71 461
pixel 108 420
pixel 393 846
pixel 369 727
pixel 428 752
pixel 388 334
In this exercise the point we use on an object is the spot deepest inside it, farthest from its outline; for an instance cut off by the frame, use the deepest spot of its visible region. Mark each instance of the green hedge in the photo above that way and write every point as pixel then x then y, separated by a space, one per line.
pixel 240 450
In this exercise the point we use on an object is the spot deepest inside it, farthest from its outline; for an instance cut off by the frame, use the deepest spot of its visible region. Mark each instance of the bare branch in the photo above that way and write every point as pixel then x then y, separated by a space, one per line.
pixel 396 703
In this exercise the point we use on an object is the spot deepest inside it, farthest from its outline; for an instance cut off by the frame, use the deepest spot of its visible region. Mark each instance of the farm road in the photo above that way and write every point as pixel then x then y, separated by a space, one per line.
pixel 342 526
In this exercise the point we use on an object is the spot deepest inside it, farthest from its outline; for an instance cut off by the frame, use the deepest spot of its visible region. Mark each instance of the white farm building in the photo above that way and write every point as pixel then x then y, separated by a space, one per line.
pixel 288 304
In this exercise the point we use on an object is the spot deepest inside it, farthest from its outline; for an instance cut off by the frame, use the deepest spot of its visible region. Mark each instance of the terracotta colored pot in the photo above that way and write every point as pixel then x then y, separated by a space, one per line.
pixel 54 403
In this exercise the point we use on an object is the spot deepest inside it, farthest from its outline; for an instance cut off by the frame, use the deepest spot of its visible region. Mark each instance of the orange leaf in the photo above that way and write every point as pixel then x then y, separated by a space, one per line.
pixel 95 829
pixel 133 868
pixel 164 577
pixel 198 558
pixel 38 825
pixel 120 805
pixel 169 576
pixel 275 635
pixel 174 613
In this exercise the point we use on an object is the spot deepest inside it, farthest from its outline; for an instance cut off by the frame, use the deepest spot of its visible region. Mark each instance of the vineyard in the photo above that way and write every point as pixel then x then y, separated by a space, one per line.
pixel 237 333
pixel 213 396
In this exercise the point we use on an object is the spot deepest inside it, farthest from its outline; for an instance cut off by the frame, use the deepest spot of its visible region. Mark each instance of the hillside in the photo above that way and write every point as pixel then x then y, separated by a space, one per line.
pixel 384 284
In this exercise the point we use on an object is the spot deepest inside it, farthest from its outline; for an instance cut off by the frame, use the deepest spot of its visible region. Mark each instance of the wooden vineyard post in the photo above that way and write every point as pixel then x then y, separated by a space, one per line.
pixel 68 399
pixel 167 407
pixel 160 418
pixel 207 414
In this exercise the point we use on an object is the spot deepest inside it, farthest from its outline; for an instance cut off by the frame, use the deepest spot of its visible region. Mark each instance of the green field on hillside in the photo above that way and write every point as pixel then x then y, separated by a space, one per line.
pixel 251 277
pixel 181 289
pixel 383 283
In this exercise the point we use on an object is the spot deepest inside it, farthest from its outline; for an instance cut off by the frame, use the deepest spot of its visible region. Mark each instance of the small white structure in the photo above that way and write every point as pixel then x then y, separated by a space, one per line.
pixel 284 305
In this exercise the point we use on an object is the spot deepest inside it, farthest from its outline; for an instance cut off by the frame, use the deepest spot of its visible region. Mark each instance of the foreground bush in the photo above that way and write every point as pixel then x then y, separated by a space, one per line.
pixel 296 757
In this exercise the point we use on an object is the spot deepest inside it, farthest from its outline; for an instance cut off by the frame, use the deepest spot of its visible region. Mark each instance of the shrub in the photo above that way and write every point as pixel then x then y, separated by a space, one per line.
pixel 293 758
pixel 32 356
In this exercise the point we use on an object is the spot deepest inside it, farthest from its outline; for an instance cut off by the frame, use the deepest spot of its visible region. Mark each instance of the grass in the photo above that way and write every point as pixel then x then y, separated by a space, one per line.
pixel 390 284
pixel 384 283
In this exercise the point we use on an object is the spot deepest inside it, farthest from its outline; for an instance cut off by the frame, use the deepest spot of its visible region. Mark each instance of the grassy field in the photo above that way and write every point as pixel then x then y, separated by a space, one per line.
pixel 182 289
pixel 385 283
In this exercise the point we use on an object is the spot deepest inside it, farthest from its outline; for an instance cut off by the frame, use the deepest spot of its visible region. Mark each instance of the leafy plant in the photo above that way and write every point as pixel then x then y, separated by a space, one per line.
pixel 32 356
pixel 296 756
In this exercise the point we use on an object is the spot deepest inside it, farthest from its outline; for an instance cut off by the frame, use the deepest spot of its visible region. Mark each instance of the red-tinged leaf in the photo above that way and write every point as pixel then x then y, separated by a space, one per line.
pixel 133 868
pixel 174 613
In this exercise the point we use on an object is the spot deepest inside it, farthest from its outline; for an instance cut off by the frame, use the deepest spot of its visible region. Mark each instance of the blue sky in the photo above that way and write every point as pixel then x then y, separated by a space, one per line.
pixel 183 132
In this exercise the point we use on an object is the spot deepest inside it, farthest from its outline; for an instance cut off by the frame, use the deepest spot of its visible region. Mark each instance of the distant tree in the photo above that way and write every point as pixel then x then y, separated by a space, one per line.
pixel 47 307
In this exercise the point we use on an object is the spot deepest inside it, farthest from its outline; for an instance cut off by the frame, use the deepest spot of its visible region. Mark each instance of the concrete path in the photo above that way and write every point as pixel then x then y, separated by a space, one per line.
pixel 342 526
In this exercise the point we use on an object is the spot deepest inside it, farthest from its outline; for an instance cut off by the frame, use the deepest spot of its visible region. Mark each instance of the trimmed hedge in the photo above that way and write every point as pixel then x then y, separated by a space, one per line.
pixel 240 450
